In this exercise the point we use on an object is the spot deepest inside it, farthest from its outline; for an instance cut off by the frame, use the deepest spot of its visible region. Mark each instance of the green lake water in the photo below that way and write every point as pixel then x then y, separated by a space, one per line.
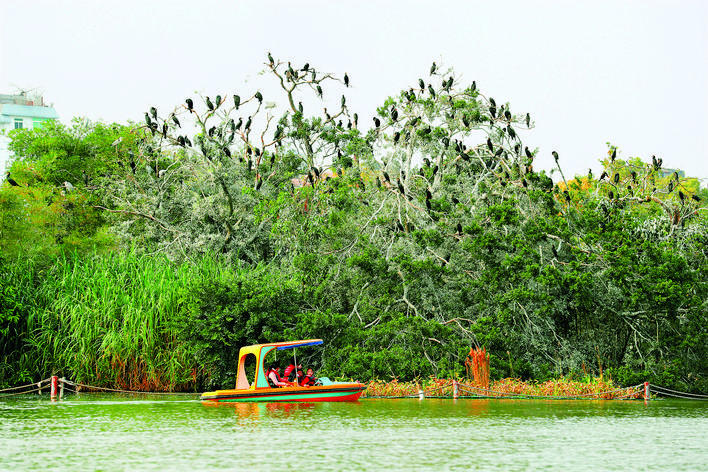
pixel 114 433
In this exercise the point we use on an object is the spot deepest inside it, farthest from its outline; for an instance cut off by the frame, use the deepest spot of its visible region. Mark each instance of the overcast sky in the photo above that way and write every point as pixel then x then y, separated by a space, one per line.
pixel 633 73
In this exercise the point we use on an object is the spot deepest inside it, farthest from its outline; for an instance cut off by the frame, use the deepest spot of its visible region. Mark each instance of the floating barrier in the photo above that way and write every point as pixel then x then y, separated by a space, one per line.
pixel 455 389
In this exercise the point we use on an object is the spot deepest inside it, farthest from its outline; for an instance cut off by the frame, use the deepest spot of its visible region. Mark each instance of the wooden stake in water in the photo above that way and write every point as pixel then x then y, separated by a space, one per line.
pixel 53 390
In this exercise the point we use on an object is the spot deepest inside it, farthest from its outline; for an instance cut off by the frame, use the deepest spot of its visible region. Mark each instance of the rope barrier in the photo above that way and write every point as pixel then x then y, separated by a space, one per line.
pixel 25 386
pixel 674 393
pixel 21 393
pixel 134 392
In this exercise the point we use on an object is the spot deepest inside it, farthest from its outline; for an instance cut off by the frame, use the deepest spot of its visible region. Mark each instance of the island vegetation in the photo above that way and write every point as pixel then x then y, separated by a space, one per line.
pixel 143 255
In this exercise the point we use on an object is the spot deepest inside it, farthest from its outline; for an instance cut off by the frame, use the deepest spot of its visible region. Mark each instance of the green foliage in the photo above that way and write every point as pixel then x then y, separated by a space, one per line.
pixel 402 247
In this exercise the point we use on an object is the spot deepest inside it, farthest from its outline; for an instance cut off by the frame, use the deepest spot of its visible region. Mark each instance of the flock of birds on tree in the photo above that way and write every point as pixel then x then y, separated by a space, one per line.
pixel 506 159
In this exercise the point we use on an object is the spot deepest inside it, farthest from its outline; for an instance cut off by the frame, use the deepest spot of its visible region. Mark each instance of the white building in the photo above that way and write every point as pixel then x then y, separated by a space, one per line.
pixel 20 111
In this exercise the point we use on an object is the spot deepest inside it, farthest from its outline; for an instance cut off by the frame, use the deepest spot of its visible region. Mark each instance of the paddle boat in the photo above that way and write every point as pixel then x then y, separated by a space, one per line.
pixel 258 390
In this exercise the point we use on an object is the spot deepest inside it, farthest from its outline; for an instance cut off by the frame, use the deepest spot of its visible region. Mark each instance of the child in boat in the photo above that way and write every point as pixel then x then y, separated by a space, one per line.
pixel 274 377
pixel 309 378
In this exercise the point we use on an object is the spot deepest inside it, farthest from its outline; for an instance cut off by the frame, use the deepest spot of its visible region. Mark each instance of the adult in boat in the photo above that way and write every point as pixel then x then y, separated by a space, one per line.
pixel 274 377
pixel 290 372
pixel 309 378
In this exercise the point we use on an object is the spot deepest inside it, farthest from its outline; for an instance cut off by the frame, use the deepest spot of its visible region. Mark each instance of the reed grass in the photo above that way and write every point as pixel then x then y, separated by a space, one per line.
pixel 107 321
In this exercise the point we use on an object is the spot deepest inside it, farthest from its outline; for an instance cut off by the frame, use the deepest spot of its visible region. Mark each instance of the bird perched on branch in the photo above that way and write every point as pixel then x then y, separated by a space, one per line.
pixel 433 68
pixel 10 180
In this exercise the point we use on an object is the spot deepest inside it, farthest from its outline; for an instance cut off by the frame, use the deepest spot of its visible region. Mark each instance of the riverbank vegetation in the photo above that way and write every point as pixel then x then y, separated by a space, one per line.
pixel 144 255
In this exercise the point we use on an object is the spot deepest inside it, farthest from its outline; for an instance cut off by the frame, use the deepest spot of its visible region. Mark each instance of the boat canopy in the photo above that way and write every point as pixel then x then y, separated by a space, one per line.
pixel 309 342
pixel 260 351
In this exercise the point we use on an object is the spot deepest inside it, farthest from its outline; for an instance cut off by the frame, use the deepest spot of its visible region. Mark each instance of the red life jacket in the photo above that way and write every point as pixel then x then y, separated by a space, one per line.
pixel 276 376
pixel 288 369
pixel 307 381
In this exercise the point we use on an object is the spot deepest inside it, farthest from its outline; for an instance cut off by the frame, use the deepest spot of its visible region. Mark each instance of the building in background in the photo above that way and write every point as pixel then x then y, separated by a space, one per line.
pixel 21 111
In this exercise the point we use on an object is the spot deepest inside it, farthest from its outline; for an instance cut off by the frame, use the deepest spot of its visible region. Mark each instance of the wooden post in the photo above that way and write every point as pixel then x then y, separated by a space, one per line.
pixel 421 395
pixel 647 394
pixel 53 389
pixel 455 389
pixel 61 388
pixel 39 388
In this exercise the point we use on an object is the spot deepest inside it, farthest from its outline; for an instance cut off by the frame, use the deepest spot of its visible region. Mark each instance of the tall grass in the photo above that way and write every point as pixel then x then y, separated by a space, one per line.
pixel 107 321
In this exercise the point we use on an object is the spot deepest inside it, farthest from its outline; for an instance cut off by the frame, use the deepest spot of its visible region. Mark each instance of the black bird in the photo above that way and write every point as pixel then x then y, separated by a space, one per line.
pixel 176 121
pixel 400 187
pixel 634 176
pixel 218 101
pixel 10 180
pixel 190 105
pixel 396 137
pixel 428 195
pixel 248 123
pixel 431 90
pixel 259 97
pixel 327 115
pixel 696 198
pixel 259 182
pixel 603 175
pixel 491 100
pixel 377 122
pixel 270 58
pixel 528 120
pixel 394 114
pixel 433 68
pixel 511 132
pixel 613 156
pixel 459 228
pixel 187 141
pixel 153 112
pixel 455 200
pixel 493 112
pixel 435 170
pixel 319 91
pixel 306 67
pixel 681 196
pixel 611 195
pixel 299 107
pixel 465 121
pixel 422 85
pixel 555 156
pixel 147 120
pixel 428 205
pixel 528 153
pixel 490 145
pixel 473 87
pixel 589 174
pixel 386 177
pixel 210 105
pixel 240 122
pixel 356 119
pixel 344 101
pixel 227 151
pixel 346 80
pixel 617 177
pixel 237 101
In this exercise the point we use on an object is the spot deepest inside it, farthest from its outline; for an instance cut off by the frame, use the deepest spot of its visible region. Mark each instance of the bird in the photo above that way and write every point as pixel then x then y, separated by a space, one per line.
pixel 346 80
pixel 68 187
pixel 394 114
pixel 117 141
pixel 209 104
pixel 603 175
pixel 248 123
pixel 10 180
pixel 422 85
pixel 175 120
pixel 528 152
pixel 153 112
pixel 270 58
pixel 162 173
pixel 431 90
pixel 377 122
pixel 490 145
pixel 147 120
pixel 344 101
pixel 190 105
pixel 428 195
pixel 306 67
pixel 617 177
pixel 396 137
pixel 555 156
pixel 386 177
pixel 613 156
pixel 259 97
pixel 433 68
pixel 240 122
pixel 459 228
pixel 299 107
pixel 400 187
pixel 319 91
pixel 237 101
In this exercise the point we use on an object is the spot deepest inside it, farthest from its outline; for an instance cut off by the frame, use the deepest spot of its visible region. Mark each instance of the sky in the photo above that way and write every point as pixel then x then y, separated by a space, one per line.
pixel 631 73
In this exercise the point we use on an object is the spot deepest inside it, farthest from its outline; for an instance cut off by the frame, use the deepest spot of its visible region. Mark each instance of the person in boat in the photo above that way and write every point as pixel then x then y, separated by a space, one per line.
pixel 309 378
pixel 289 372
pixel 273 377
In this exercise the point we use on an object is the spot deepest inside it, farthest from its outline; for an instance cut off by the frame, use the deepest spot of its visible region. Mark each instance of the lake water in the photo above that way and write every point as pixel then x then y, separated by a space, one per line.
pixel 112 433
